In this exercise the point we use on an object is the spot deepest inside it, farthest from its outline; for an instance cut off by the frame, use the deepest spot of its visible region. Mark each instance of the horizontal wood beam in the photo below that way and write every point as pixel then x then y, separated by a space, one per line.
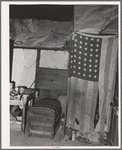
pixel 43 48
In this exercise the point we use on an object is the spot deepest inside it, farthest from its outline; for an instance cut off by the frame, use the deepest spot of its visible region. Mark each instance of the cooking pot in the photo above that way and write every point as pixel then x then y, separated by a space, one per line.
pixel 21 89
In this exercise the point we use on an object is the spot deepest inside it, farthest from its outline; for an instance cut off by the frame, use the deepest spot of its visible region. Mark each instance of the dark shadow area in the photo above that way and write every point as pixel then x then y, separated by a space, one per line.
pixel 46 12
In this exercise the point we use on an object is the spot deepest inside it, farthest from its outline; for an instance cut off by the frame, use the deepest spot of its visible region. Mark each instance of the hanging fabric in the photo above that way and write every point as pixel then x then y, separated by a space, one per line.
pixel 24 67
pixel 92 69
pixel 107 77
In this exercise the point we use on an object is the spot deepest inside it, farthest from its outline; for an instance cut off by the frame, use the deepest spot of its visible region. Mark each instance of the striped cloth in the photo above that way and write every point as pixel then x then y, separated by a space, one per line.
pixel 92 73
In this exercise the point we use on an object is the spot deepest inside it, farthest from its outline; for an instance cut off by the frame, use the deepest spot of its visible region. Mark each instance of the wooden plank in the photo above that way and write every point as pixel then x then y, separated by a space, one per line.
pixel 51 85
pixel 47 78
pixel 52 81
pixel 52 78
pixel 37 65
pixel 54 72
pixel 43 48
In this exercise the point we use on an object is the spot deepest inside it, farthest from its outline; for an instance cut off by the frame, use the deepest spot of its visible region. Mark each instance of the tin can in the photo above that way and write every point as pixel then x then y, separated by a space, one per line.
pixel 73 135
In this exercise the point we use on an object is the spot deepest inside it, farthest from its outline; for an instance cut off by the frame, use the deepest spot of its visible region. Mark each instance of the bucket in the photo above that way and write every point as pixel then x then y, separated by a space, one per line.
pixel 21 89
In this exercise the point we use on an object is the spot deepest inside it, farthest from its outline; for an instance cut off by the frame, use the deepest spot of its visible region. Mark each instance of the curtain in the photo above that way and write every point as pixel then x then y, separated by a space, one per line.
pixel 24 67
pixel 92 73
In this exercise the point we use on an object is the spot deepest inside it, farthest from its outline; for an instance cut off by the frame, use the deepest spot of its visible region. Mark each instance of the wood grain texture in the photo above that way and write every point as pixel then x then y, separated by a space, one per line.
pixel 47 78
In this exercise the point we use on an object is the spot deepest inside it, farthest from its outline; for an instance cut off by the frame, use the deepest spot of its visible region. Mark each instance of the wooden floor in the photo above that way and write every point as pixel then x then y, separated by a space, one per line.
pixel 16 139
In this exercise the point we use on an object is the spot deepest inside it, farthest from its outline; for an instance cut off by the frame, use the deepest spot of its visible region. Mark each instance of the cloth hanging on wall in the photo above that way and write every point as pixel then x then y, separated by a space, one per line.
pixel 96 19
pixel 40 33
pixel 107 77
pixel 24 67
pixel 92 69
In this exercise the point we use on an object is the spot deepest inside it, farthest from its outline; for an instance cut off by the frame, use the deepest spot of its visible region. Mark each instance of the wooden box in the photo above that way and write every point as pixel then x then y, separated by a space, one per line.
pixel 44 118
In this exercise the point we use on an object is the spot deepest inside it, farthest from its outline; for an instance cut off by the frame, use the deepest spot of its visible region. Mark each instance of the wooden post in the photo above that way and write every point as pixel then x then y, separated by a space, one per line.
pixel 23 121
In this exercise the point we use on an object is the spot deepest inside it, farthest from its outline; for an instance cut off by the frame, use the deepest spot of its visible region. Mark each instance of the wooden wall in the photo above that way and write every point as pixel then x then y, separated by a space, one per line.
pixel 55 81
pixel 47 78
